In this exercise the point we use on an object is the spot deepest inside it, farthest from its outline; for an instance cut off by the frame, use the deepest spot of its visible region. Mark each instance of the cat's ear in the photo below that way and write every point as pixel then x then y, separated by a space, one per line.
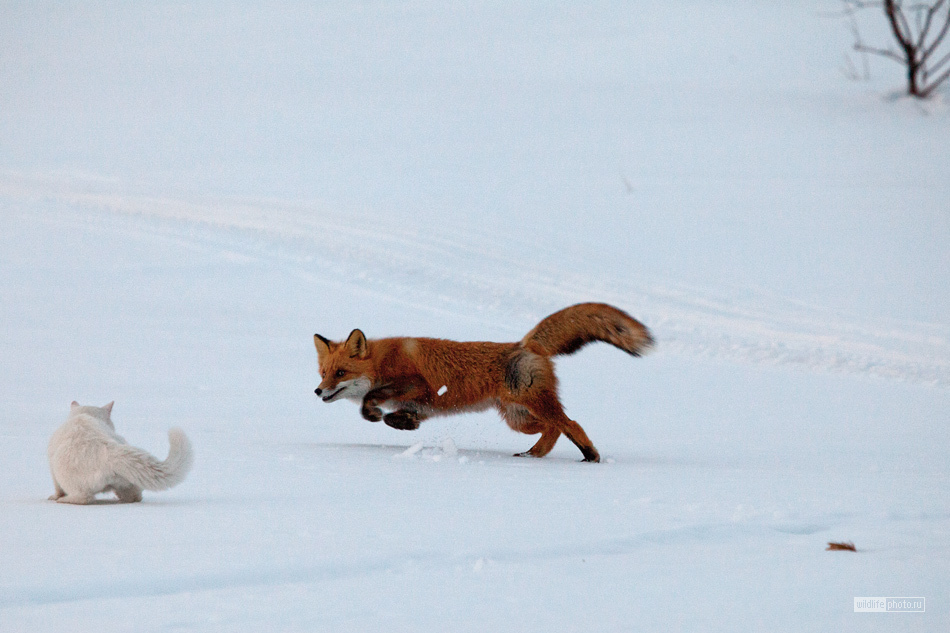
pixel 108 407
pixel 73 405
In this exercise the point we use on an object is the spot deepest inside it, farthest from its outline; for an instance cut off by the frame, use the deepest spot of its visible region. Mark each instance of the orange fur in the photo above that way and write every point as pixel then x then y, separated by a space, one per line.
pixel 417 378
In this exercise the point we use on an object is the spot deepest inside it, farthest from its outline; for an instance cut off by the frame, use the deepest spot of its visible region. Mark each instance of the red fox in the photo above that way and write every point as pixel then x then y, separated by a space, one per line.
pixel 415 378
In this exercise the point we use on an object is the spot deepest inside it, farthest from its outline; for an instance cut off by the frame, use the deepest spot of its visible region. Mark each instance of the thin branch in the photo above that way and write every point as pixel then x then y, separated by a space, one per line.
pixel 927 22
pixel 936 67
pixel 939 80
pixel 853 21
pixel 850 70
pixel 916 39
pixel 860 4
pixel 938 39
pixel 883 52
pixel 904 34
pixel 926 92
pixel 918 13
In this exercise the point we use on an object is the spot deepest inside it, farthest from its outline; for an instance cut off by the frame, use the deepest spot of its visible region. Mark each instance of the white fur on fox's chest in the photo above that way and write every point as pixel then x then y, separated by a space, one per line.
pixel 355 390
pixel 434 412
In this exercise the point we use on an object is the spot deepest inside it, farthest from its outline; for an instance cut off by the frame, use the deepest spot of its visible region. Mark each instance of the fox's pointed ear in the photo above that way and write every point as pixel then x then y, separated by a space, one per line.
pixel 109 406
pixel 322 344
pixel 73 405
pixel 356 344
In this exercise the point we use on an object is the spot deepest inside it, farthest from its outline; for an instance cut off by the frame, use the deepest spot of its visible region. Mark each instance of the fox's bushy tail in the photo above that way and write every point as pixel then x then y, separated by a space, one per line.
pixel 145 471
pixel 570 329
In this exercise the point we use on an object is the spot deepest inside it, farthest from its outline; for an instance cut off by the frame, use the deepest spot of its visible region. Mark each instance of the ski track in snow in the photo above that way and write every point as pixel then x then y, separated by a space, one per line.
pixel 256 577
pixel 444 273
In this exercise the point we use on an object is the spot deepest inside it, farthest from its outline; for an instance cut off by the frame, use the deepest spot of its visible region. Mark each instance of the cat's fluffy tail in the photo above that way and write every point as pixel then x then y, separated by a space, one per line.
pixel 144 471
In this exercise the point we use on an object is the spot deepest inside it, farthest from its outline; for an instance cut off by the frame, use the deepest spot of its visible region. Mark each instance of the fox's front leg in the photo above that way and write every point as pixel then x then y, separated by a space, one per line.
pixel 370 410
pixel 412 389
pixel 404 419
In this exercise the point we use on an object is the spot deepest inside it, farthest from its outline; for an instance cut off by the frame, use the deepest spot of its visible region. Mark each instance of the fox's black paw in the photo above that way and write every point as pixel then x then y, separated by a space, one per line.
pixel 591 455
pixel 373 414
pixel 402 420
pixel 526 454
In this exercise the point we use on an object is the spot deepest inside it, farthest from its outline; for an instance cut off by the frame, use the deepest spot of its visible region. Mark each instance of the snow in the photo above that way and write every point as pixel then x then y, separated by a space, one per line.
pixel 187 194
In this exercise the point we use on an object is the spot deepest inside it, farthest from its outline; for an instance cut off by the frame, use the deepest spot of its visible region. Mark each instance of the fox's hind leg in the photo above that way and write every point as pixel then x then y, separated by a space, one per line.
pixel 521 420
pixel 544 445
pixel 532 405
pixel 577 435
pixel 544 405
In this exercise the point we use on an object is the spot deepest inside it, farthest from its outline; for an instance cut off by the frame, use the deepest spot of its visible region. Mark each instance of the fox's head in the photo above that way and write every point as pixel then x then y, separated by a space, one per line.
pixel 345 368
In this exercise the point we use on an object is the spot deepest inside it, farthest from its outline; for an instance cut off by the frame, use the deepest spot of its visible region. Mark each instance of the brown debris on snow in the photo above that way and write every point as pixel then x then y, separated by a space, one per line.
pixel 841 547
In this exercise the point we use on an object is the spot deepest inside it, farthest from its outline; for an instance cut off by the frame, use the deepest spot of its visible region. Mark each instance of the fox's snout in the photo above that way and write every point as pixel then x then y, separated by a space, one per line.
pixel 320 393
pixel 329 394
pixel 332 390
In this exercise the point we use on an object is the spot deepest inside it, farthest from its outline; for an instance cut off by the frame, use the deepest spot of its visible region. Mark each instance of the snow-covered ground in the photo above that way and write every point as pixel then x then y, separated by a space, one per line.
pixel 187 194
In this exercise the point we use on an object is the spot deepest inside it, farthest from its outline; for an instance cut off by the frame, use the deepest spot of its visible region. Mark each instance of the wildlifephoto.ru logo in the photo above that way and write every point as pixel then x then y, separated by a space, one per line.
pixel 890 605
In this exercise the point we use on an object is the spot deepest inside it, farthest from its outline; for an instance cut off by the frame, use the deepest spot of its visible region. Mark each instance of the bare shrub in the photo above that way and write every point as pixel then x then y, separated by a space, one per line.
pixel 919 29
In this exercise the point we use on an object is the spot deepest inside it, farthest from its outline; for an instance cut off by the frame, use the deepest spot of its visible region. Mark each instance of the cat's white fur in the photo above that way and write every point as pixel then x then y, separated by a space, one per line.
pixel 87 457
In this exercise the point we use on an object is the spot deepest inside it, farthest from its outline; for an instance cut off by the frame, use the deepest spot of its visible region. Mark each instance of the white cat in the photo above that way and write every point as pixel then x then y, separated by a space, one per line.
pixel 87 457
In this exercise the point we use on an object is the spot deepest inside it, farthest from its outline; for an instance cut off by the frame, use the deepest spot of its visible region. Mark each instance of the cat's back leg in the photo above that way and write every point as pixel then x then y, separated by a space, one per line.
pixel 128 492
pixel 59 493
pixel 79 499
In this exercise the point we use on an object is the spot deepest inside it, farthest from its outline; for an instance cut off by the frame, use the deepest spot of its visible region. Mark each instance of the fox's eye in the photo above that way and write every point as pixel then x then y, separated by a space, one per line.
pixel 340 373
